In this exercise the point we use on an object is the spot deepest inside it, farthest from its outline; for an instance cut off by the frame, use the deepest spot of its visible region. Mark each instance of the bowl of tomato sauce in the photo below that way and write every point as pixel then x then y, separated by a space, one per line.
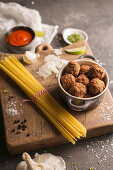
pixel 19 39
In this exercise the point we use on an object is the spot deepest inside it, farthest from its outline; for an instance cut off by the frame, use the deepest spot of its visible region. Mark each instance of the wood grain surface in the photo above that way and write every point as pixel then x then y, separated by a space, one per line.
pixel 39 132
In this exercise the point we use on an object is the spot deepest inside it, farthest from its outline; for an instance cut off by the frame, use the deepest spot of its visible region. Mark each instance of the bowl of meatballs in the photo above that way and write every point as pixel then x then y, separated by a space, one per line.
pixel 82 84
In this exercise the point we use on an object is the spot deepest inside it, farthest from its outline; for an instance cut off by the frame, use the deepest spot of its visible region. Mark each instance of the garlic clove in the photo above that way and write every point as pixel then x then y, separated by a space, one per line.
pixel 30 57
pixel 31 164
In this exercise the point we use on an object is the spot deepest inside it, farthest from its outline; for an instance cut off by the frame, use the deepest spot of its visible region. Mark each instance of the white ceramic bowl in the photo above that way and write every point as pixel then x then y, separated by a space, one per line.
pixel 68 31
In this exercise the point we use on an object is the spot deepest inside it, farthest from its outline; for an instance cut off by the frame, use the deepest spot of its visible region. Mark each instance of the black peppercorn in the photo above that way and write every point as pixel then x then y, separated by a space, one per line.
pixel 16 121
pixel 13 130
pixel 28 134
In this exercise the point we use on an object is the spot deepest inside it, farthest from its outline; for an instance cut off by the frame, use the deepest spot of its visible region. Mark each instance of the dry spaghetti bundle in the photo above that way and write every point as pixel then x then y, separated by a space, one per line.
pixel 69 127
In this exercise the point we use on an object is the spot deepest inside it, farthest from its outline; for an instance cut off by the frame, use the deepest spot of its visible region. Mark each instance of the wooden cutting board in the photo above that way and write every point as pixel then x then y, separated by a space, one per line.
pixel 38 131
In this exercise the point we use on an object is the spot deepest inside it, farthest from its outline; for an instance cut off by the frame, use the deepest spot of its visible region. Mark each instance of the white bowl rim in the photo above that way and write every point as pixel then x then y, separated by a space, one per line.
pixel 76 30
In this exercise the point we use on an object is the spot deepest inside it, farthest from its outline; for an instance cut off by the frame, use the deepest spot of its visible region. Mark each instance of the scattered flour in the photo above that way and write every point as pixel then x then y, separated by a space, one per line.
pixel 32 2
pixel 11 108
pixel 100 151
pixel 102 64
pixel 106 111
pixel 111 82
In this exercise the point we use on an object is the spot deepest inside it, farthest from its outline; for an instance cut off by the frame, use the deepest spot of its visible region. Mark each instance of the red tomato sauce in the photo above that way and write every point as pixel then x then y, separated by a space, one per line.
pixel 19 38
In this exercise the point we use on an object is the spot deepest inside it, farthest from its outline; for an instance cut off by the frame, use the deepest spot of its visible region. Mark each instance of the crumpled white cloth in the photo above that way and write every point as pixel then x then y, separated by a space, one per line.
pixel 13 14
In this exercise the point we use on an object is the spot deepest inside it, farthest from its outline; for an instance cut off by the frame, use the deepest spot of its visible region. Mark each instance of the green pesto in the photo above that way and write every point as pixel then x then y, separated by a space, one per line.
pixel 73 38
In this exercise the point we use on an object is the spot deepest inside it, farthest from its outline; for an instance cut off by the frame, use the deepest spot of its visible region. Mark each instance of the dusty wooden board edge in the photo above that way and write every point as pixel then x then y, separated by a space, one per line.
pixel 60 141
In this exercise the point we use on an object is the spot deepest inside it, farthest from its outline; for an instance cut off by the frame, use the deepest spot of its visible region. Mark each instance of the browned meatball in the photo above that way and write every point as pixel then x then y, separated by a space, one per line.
pixel 96 86
pixel 88 95
pixel 84 69
pixel 73 68
pixel 83 79
pixel 78 90
pixel 67 80
pixel 96 72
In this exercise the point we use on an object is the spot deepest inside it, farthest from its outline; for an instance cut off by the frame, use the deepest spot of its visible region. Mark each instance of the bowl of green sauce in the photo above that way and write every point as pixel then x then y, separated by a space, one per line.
pixel 71 35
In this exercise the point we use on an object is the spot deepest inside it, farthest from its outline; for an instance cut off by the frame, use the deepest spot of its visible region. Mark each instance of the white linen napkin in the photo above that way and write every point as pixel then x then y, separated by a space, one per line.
pixel 13 14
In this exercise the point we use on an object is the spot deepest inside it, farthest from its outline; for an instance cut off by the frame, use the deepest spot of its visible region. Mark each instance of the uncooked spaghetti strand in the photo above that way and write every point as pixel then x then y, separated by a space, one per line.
pixel 25 89
pixel 27 76
pixel 9 62
pixel 65 113
pixel 43 109
pixel 16 79
pixel 67 119
pixel 19 74
pixel 62 121
pixel 51 110
pixel 25 70
pixel 63 131
pixel 52 98
pixel 21 67
pixel 59 118
pixel 73 130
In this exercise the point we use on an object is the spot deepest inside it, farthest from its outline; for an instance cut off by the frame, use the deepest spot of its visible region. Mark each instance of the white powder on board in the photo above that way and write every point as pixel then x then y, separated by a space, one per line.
pixel 111 81
pixel 105 111
pixel 11 108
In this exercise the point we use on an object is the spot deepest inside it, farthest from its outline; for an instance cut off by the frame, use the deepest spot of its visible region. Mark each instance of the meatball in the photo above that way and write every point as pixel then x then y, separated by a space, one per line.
pixel 78 90
pixel 88 95
pixel 83 79
pixel 96 86
pixel 84 69
pixel 67 80
pixel 96 72
pixel 73 68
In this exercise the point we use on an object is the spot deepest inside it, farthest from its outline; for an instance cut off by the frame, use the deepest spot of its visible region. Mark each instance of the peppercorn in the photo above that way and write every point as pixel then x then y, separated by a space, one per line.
pixel 28 134
pixel 16 121
pixel 13 130
pixel 19 131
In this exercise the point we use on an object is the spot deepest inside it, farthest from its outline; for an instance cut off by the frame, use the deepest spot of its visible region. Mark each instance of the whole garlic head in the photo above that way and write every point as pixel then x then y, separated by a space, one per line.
pixel 45 161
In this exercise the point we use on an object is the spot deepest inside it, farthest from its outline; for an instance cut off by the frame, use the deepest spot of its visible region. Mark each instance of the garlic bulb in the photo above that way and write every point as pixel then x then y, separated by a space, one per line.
pixel 30 57
pixel 22 166
pixel 45 161
pixel 31 164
